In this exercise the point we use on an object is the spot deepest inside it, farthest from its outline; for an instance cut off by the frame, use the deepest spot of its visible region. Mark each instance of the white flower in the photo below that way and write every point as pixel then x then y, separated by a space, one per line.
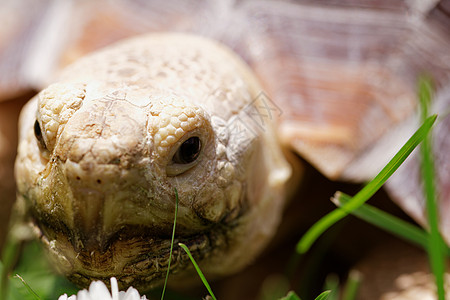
pixel 99 291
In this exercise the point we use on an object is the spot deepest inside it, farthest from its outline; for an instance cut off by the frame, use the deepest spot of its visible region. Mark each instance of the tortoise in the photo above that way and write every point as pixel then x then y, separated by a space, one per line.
pixel 212 117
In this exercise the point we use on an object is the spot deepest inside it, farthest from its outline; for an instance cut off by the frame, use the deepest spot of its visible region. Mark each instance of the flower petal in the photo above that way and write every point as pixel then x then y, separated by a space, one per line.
pixel 99 291
pixel 114 289
pixel 83 295
pixel 131 294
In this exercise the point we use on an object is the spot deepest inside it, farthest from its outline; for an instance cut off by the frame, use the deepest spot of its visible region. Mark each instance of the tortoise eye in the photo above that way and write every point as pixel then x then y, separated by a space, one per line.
pixel 188 151
pixel 38 134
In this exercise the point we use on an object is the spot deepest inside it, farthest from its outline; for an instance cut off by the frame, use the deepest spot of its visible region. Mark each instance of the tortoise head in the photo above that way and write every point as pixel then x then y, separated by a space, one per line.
pixel 102 157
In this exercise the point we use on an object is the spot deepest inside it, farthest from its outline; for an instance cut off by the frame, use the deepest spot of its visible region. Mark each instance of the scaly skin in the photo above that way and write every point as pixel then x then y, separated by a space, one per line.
pixel 98 180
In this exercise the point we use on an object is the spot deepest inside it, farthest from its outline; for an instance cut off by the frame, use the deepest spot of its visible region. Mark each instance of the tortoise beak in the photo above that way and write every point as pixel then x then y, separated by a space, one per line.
pixel 88 218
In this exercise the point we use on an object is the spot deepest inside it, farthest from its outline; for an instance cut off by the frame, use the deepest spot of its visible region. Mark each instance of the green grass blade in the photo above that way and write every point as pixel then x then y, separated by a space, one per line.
pixel 3 282
pixel 171 244
pixel 425 96
pixel 436 256
pixel 30 290
pixel 387 222
pixel 332 284
pixel 291 296
pixel 10 256
pixel 435 253
pixel 197 268
pixel 323 295
pixel 334 216
pixel 352 286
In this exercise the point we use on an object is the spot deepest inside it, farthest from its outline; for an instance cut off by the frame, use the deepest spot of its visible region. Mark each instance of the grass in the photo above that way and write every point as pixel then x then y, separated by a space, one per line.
pixel 371 188
pixel 429 239
pixel 435 242
pixel 29 289
pixel 171 244
pixel 197 268
pixel 352 285
pixel 394 225
pixel 38 276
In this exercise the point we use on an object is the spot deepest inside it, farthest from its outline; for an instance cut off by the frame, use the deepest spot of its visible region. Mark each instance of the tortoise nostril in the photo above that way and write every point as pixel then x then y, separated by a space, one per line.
pixel 99 181
pixel 78 178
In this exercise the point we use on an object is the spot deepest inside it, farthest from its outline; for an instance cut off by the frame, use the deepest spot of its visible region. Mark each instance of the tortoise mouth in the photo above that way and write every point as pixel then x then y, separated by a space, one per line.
pixel 133 257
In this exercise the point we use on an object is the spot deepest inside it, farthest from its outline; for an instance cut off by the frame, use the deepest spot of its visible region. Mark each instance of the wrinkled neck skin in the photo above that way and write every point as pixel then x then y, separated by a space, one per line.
pixel 97 168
